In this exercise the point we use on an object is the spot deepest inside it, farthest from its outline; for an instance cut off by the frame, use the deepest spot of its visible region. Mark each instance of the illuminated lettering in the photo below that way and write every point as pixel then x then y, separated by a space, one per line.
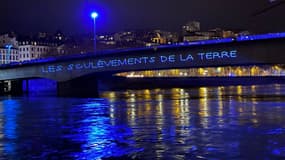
pixel 131 61
pixel 189 57
pixel 52 69
pixel 233 53
pixel 44 70
pixel 209 55
pixel 78 66
pixel 123 62
pixel 87 65
pixel 93 66
pixel 224 54
pixel 138 60
pixel 181 59
pixel 201 55
pixel 217 55
pixel 70 67
pixel 169 58
pixel 151 60
pixel 59 68
pixel 100 64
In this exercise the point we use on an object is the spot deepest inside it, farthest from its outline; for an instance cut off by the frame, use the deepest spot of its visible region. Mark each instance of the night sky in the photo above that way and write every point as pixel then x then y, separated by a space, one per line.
pixel 72 16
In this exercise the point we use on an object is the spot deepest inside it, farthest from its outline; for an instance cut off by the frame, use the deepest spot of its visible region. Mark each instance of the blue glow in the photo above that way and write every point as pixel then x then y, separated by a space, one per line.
pixel 9 46
pixel 101 139
pixel 40 86
pixel 10 113
pixel 94 15
pixel 261 36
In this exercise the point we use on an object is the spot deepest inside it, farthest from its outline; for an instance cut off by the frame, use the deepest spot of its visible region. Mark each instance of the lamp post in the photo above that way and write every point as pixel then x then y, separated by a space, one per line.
pixel 94 15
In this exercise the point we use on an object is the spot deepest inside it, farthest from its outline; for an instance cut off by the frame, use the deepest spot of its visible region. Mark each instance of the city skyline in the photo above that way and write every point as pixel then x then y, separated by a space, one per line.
pixel 74 17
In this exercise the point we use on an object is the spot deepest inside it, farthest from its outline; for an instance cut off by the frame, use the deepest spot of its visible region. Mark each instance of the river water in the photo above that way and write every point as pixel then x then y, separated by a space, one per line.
pixel 236 122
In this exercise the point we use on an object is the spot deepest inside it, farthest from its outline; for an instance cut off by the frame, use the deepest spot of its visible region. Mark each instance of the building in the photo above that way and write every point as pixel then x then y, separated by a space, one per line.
pixel 205 35
pixel 32 49
pixel 195 37
pixel 192 26
pixel 228 34
pixel 163 37
pixel 8 49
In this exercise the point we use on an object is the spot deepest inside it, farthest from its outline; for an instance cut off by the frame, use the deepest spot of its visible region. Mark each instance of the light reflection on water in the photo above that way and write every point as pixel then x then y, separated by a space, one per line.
pixel 237 122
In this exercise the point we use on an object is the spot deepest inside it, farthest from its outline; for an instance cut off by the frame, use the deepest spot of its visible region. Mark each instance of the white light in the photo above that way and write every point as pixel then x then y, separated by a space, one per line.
pixel 94 15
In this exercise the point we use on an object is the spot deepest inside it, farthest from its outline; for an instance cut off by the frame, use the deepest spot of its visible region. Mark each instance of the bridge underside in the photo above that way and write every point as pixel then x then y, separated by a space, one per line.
pixel 86 86
pixel 122 83
pixel 226 71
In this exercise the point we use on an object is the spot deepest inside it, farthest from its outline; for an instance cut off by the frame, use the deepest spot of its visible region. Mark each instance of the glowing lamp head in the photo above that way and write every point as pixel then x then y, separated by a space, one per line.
pixel 94 15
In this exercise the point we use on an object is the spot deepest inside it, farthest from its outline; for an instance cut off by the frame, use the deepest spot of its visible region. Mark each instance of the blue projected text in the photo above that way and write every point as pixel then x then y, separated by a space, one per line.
pixel 198 57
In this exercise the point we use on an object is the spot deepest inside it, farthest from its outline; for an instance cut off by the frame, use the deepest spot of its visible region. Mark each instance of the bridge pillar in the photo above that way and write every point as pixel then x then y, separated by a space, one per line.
pixel 12 87
pixel 16 87
pixel 80 87
pixel 2 86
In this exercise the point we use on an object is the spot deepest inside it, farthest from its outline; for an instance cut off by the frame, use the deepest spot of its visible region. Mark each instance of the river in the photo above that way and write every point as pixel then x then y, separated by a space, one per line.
pixel 233 122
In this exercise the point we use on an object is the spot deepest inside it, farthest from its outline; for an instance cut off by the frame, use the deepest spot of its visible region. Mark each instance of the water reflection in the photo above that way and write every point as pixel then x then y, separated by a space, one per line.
pixel 9 126
pixel 237 122
pixel 204 123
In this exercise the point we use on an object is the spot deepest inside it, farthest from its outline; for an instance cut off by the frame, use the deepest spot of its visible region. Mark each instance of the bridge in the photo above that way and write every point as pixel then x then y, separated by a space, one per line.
pixel 69 71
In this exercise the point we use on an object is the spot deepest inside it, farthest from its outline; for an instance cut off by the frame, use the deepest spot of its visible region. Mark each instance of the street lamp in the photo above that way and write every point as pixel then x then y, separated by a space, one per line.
pixel 94 15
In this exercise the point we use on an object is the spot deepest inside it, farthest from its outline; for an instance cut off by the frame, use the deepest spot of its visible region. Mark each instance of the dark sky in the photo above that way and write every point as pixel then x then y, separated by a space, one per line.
pixel 72 16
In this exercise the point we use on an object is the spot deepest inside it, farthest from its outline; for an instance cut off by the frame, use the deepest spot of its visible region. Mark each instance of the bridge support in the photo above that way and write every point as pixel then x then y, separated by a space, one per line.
pixel 80 87
pixel 16 87
pixel 11 87
pixel 2 86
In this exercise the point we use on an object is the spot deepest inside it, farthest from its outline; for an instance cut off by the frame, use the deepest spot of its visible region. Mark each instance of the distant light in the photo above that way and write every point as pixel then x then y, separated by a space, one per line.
pixel 9 46
pixel 94 15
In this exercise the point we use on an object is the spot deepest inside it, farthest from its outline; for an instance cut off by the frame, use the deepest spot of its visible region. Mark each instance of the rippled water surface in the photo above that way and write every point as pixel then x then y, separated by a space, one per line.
pixel 241 122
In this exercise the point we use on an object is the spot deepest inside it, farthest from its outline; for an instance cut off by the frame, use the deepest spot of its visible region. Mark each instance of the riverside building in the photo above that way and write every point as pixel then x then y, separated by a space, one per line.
pixel 8 49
